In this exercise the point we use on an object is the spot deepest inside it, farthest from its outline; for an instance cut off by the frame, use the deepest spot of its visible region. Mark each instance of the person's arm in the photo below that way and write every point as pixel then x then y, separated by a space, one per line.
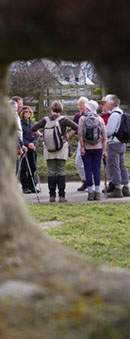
pixel 39 134
pixel 19 128
pixel 38 125
pixel 70 134
pixel 73 126
pixel 80 134
pixel 82 145
pixel 113 123
pixel 104 138
pixel 104 150
pixel 32 146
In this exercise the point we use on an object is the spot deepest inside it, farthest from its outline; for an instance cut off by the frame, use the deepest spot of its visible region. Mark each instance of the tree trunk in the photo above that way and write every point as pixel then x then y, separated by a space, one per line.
pixel 47 291
pixel 40 105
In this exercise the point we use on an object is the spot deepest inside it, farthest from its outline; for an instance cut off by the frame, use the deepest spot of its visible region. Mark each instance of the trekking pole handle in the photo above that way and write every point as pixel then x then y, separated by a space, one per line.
pixel 104 161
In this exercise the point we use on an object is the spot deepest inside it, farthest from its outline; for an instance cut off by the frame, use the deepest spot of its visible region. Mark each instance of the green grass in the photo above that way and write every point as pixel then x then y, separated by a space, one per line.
pixel 71 171
pixel 100 232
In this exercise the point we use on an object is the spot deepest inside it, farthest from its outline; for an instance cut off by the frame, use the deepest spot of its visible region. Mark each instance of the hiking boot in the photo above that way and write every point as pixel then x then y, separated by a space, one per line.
pixel 37 191
pixel 109 188
pixel 117 193
pixel 62 199
pixel 126 191
pixel 83 186
pixel 52 199
pixel 91 196
pixel 26 191
pixel 97 196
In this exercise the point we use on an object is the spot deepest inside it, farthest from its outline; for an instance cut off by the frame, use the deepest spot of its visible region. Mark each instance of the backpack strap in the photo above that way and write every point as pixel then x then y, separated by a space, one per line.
pixel 114 134
pixel 57 119
pixel 117 112
pixel 60 117
pixel 46 118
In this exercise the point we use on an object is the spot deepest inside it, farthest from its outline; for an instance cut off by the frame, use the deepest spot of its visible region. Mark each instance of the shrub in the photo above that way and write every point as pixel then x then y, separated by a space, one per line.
pixel 98 91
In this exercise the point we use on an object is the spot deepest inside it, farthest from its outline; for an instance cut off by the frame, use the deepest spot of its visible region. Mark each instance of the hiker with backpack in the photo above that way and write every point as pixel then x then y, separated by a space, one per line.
pixel 93 139
pixel 78 160
pixel 56 147
pixel 116 148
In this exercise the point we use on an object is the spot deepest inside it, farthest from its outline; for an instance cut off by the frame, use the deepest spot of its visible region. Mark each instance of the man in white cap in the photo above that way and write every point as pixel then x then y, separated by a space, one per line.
pixel 105 114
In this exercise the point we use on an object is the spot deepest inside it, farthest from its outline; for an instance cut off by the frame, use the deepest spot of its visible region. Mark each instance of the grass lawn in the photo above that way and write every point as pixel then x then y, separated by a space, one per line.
pixel 71 171
pixel 100 232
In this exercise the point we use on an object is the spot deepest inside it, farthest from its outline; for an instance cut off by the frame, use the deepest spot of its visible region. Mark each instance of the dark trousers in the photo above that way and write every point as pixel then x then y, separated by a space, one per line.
pixel 56 180
pixel 25 176
pixel 92 165
pixel 56 176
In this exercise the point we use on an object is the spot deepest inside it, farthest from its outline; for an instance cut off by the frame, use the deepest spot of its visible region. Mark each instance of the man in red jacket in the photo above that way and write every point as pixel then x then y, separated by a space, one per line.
pixel 105 113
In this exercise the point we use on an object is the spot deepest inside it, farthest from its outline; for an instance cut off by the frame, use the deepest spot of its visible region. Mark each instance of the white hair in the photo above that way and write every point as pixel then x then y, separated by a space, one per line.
pixel 82 100
pixel 13 103
pixel 112 99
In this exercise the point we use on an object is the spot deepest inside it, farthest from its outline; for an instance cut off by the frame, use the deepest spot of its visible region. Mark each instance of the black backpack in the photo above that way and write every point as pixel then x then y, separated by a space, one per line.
pixel 123 133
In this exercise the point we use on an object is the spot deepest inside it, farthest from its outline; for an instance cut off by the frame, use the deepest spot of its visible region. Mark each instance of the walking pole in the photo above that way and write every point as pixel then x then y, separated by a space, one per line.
pixel 18 167
pixel 105 176
pixel 38 179
pixel 30 172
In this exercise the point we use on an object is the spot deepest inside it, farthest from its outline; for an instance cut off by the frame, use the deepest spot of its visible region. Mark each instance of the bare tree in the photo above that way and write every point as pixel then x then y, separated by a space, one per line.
pixel 31 78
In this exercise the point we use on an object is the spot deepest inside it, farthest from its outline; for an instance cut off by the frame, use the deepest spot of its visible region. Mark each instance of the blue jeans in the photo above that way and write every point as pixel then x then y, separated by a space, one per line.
pixel 92 165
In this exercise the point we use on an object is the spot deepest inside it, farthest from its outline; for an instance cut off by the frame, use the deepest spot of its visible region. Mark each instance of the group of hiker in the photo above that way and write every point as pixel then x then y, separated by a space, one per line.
pixel 108 146
pixel 97 139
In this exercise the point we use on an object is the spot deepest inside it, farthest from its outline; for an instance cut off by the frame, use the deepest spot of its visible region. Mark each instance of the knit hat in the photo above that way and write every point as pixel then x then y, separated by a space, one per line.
pixel 92 106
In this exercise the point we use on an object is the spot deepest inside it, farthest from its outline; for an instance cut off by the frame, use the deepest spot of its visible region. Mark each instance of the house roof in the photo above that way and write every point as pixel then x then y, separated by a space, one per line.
pixel 88 81
pixel 66 71
pixel 76 70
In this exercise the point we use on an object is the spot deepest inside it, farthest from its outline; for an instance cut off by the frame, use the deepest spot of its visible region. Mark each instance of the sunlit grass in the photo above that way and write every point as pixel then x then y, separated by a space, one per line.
pixel 100 232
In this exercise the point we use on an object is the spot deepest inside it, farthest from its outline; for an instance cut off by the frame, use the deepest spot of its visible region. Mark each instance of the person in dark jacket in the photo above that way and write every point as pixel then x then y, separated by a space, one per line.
pixel 30 140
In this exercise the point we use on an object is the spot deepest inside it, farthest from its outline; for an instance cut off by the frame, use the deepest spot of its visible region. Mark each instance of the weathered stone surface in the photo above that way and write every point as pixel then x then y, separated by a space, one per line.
pixel 75 299
pixel 50 224
pixel 16 289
